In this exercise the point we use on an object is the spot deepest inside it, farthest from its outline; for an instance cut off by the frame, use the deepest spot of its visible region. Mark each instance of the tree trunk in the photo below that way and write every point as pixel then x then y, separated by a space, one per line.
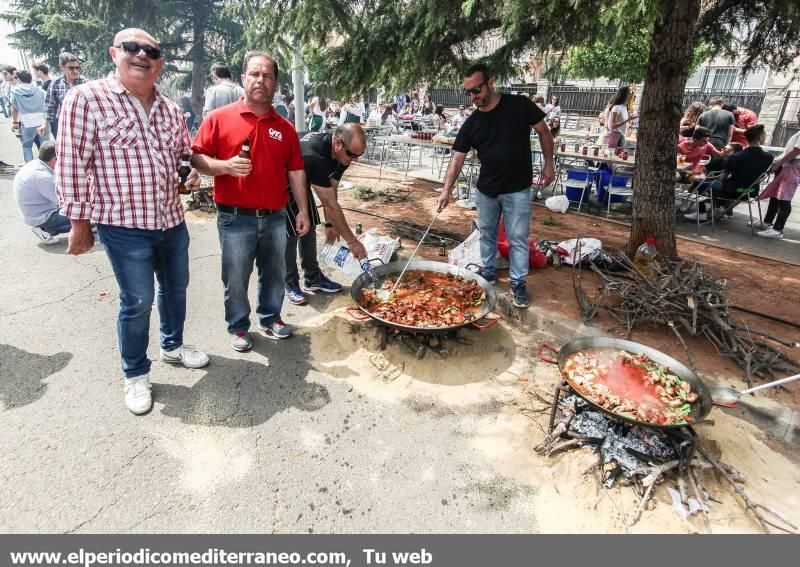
pixel 660 113
pixel 198 58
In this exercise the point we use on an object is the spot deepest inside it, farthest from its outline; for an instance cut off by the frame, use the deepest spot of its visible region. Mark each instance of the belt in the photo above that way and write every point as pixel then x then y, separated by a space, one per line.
pixel 248 212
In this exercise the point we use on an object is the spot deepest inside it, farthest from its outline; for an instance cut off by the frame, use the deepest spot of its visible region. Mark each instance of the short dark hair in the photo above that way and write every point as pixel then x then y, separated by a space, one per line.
pixel 714 101
pixel 701 132
pixel 478 68
pixel 24 76
pixel 221 70
pixel 729 107
pixel 11 70
pixel 47 151
pixel 42 67
pixel 753 133
pixel 253 54
pixel 65 57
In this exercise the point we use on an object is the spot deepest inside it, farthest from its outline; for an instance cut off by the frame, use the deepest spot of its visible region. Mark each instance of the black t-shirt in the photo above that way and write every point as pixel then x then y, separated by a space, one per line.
pixel 320 169
pixel 319 165
pixel 502 138
pixel 718 121
pixel 744 167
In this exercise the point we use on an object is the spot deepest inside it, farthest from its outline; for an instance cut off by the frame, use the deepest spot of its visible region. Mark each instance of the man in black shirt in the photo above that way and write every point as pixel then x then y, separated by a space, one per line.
pixel 719 121
pixel 500 133
pixel 326 158
pixel 742 169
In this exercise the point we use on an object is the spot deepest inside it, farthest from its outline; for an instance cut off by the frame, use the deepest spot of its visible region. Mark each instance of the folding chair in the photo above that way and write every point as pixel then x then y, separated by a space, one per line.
pixel 622 191
pixel 746 193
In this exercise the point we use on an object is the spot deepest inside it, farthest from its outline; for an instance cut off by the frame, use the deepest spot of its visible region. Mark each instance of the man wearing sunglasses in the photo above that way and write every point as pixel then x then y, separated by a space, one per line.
pixel 251 197
pixel 500 132
pixel 119 145
pixel 71 69
pixel 326 156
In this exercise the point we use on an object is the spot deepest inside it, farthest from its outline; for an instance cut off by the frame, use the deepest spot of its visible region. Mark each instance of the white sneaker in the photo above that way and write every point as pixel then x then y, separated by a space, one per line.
pixel 137 394
pixel 44 237
pixel 187 355
pixel 702 217
pixel 770 233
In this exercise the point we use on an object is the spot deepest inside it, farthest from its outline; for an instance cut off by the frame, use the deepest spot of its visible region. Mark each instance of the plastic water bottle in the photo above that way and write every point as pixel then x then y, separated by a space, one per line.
pixel 646 256
pixel 338 256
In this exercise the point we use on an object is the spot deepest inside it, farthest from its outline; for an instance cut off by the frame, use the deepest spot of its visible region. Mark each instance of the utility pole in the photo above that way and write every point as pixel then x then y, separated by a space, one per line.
pixel 298 77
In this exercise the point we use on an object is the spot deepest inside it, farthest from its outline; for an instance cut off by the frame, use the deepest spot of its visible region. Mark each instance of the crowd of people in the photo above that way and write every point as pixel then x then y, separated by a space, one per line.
pixel 269 179
pixel 721 148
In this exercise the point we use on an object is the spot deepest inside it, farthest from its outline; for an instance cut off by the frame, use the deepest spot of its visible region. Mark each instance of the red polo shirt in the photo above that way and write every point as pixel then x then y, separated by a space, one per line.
pixel 745 119
pixel 274 150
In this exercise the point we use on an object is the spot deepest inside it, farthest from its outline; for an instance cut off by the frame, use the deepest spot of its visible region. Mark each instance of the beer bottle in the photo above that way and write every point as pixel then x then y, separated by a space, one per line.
pixel 184 168
pixel 245 151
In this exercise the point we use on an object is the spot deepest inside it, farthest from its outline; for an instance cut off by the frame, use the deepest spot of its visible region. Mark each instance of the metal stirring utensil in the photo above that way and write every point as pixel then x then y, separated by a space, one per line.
pixel 384 295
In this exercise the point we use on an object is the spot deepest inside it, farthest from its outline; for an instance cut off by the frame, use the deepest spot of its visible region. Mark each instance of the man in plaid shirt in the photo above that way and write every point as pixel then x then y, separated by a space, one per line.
pixel 118 149
pixel 71 67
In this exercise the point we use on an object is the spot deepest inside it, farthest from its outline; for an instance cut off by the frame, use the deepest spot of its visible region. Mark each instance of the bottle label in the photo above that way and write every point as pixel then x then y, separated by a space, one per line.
pixel 341 256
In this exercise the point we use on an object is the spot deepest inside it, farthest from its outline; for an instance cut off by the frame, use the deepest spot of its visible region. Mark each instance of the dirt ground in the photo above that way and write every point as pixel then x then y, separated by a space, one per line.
pixel 763 285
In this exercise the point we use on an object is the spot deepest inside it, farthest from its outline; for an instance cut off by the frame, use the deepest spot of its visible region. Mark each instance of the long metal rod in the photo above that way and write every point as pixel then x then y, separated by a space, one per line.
pixel 414 253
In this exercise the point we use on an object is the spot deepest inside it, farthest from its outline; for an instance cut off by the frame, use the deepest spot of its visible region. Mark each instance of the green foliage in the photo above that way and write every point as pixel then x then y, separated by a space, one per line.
pixel 624 59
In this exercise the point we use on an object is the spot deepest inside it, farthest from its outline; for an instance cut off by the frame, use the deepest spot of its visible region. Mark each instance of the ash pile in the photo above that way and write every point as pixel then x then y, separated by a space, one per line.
pixel 643 458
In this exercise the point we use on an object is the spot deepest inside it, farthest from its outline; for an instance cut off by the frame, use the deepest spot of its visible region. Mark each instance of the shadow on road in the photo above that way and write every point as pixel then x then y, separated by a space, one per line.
pixel 22 374
pixel 244 393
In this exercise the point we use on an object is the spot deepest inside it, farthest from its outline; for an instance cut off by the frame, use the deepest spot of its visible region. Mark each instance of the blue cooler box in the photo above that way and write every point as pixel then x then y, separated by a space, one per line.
pixel 577 181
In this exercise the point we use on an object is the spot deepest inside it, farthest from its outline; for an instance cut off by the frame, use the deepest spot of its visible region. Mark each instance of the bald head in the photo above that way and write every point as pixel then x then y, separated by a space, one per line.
pixel 352 134
pixel 135 34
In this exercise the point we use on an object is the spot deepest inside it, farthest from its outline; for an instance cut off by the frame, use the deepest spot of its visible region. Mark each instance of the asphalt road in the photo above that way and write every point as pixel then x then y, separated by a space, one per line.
pixel 257 442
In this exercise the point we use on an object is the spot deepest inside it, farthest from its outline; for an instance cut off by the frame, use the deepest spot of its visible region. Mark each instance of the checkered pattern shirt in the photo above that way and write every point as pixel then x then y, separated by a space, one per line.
pixel 117 165
pixel 55 96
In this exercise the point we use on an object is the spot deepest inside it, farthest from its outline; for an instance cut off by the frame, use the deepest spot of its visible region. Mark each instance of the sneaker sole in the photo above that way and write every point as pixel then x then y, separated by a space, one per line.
pixel 182 363
pixel 322 289
pixel 304 302
pixel 270 335
pixel 245 349
pixel 140 412
pixel 521 306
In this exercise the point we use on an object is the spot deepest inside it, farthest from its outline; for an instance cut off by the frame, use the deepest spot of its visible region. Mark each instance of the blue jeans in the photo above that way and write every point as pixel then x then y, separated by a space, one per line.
pixel 245 239
pixel 55 224
pixel 516 211
pixel 28 137
pixel 307 247
pixel 135 256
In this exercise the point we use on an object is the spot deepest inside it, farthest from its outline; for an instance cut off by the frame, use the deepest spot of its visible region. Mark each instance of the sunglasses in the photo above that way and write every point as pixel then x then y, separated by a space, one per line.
pixel 134 47
pixel 350 152
pixel 474 90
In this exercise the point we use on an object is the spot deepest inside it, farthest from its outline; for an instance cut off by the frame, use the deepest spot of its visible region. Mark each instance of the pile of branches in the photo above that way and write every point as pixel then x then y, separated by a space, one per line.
pixel 643 458
pixel 683 297
pixel 415 231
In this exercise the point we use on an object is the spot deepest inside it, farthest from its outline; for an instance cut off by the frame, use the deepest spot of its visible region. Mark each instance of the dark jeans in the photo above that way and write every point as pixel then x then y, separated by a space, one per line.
pixel 54 129
pixel 135 256
pixel 246 239
pixel 55 224
pixel 724 195
pixel 779 209
pixel 307 247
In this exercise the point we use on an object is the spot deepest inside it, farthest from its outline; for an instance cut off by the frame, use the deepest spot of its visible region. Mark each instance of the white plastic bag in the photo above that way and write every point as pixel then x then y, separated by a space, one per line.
pixel 337 255
pixel 589 249
pixel 468 252
pixel 557 203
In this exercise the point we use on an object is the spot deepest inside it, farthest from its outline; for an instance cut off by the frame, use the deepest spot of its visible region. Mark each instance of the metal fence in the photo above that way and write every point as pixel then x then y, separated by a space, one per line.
pixel 746 98
pixel 592 100
pixel 787 121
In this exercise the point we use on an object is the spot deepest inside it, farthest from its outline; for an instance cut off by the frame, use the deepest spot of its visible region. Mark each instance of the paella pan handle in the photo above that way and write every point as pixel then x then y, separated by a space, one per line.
pixel 482 326
pixel 355 312
pixel 544 349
